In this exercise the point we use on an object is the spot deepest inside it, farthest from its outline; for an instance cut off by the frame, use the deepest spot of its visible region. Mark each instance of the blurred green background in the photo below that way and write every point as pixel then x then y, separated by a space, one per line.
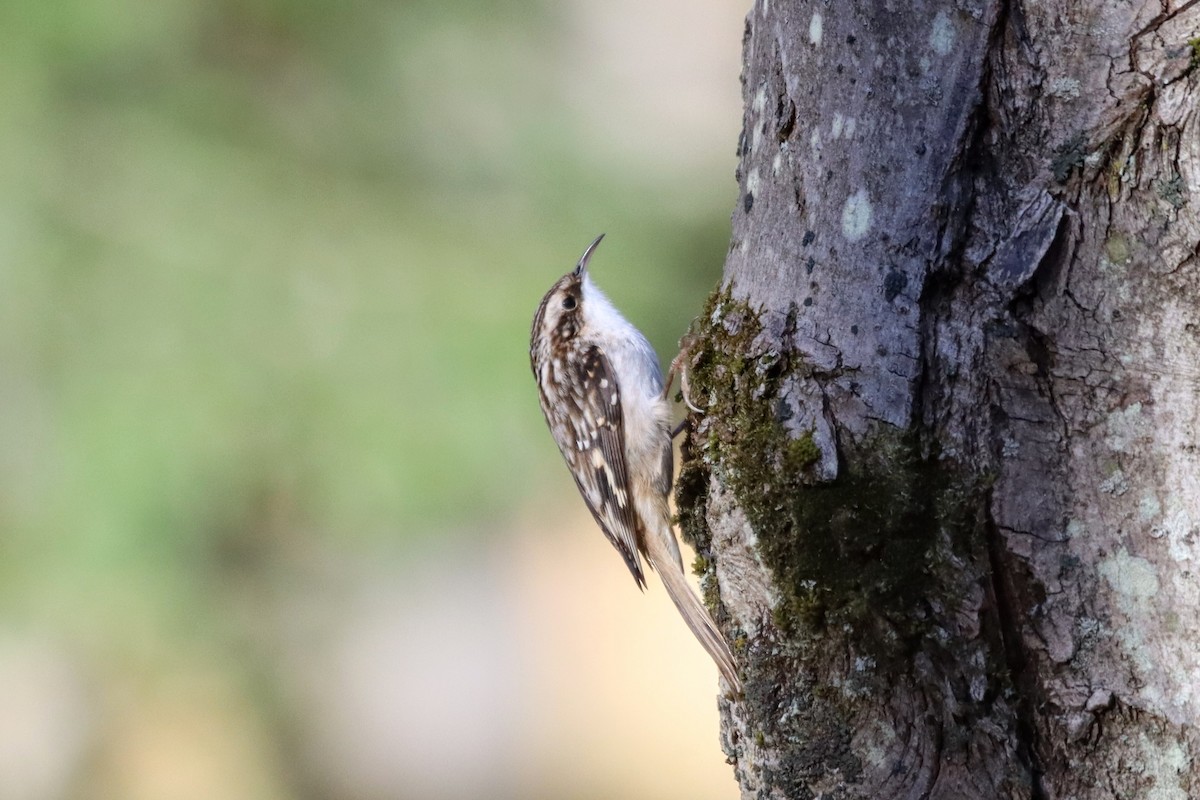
pixel 276 499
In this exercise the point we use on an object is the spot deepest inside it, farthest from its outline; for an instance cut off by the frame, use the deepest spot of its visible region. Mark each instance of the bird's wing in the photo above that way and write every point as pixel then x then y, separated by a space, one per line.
pixel 592 423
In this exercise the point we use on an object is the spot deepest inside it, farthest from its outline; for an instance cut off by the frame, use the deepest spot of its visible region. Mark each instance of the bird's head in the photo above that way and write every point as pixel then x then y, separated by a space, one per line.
pixel 560 316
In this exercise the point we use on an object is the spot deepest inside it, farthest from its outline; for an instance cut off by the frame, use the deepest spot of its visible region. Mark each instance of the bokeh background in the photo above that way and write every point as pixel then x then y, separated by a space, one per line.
pixel 279 517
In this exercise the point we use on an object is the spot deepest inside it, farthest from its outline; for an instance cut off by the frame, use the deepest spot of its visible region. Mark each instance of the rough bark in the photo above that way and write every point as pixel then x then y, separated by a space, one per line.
pixel 946 485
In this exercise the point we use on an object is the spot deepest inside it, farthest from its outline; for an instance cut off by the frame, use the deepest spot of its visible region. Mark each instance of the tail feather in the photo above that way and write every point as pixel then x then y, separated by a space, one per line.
pixel 696 616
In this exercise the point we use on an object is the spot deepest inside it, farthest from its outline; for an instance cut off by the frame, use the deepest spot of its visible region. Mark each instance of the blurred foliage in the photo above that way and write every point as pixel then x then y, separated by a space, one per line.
pixel 267 272
pixel 266 275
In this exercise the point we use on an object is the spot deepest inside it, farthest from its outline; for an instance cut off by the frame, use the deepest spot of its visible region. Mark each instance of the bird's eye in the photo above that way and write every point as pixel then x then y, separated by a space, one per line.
pixel 569 302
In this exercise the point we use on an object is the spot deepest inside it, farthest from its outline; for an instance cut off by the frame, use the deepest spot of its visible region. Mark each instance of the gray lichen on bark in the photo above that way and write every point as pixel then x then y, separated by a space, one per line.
pixel 946 481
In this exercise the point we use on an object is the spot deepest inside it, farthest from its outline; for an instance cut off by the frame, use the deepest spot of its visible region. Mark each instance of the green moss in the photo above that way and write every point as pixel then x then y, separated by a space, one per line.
pixel 702 567
pixel 807 734
pixel 800 454
pixel 860 550
pixel 691 488
pixel 1194 44
pixel 863 562
pixel 1117 249
pixel 1116 168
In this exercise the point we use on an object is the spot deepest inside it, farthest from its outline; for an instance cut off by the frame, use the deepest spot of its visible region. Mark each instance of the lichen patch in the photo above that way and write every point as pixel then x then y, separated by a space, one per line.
pixel 1125 426
pixel 815 28
pixel 1066 88
pixel 1149 507
pixel 1131 577
pixel 753 181
pixel 942 34
pixel 856 216
pixel 842 126
pixel 1165 763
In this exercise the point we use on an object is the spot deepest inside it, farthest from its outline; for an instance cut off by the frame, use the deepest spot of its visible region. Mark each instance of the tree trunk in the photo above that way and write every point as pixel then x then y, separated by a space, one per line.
pixel 946 484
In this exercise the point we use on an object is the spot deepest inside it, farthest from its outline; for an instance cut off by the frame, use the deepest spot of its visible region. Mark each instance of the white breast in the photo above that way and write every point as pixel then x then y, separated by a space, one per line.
pixel 636 365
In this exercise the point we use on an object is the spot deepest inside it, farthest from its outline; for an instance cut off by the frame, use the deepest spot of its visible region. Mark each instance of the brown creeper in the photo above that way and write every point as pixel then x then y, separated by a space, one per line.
pixel 602 393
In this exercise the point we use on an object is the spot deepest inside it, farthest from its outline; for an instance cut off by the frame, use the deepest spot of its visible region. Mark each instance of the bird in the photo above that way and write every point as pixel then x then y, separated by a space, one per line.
pixel 601 391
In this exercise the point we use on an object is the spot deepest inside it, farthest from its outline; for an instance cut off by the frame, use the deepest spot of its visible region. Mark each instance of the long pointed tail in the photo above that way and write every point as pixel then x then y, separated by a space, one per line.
pixel 692 610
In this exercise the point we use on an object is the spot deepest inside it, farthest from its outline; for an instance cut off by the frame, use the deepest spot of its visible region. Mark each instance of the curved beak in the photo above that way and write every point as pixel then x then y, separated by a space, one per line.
pixel 581 267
